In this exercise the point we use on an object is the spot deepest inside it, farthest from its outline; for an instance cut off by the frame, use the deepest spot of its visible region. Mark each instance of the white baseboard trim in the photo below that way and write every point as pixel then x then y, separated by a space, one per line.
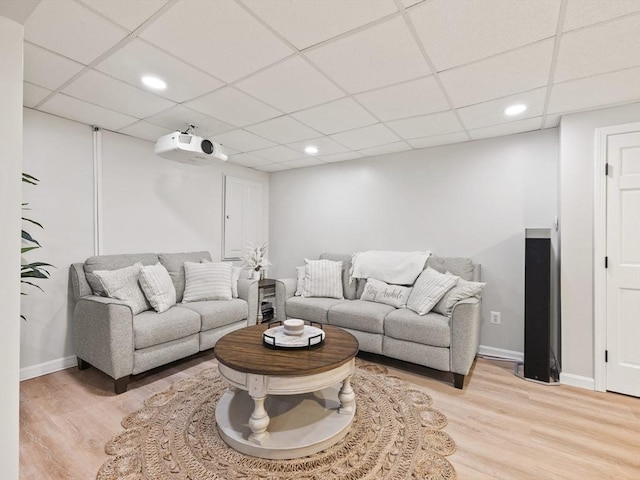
pixel 577 381
pixel 501 353
pixel 47 367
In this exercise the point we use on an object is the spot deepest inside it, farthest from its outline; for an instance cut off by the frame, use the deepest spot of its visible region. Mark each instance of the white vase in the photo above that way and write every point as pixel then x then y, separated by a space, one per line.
pixel 254 275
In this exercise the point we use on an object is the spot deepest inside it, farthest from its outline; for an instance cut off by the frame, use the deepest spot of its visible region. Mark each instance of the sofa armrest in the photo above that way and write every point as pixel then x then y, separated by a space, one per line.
pixel 79 284
pixel 285 289
pixel 103 334
pixel 465 334
pixel 248 290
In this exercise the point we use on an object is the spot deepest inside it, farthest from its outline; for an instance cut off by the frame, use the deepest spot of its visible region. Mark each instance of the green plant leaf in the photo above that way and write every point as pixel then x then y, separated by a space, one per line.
pixel 27 249
pixel 37 265
pixel 32 221
pixel 26 236
pixel 34 274
pixel 33 285
pixel 29 179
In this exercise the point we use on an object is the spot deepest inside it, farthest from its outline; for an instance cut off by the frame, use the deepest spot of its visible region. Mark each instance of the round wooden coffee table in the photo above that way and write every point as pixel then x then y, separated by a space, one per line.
pixel 307 393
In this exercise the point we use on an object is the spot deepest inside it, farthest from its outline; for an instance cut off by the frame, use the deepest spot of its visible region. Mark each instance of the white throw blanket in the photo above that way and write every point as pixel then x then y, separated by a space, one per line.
pixel 399 268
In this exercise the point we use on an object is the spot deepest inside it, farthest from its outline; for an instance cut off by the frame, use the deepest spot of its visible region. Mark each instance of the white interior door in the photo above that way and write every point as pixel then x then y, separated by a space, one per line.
pixel 242 215
pixel 623 270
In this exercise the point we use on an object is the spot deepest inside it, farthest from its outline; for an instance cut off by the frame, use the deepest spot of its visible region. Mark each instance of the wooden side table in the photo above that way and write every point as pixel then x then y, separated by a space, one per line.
pixel 264 285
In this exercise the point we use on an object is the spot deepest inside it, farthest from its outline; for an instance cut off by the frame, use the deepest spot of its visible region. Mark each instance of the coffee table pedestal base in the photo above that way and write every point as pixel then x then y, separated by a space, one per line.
pixel 299 425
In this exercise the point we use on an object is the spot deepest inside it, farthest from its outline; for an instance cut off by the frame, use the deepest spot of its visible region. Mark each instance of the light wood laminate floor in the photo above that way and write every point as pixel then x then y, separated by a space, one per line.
pixel 504 427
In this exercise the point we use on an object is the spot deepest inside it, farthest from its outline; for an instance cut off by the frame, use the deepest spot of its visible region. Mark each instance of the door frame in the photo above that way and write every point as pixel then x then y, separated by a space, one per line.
pixel 600 250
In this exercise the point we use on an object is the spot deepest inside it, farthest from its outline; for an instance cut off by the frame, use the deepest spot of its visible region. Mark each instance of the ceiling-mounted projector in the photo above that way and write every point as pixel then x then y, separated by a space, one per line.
pixel 188 148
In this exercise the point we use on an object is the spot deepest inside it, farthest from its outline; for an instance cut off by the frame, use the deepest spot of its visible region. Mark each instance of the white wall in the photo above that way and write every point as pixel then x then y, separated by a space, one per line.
pixel 11 38
pixel 149 204
pixel 473 199
pixel 577 159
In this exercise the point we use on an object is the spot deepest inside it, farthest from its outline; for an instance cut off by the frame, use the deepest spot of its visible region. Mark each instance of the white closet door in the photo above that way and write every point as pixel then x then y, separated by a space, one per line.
pixel 243 212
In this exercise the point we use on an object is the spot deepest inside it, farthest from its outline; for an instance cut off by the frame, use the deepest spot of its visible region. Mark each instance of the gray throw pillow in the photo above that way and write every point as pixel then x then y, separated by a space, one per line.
pixel 322 278
pixel 461 291
pixel 158 287
pixel 207 281
pixel 429 288
pixel 123 284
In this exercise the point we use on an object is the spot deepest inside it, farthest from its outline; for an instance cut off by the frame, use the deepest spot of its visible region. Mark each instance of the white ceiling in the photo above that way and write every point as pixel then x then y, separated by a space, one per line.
pixel 265 78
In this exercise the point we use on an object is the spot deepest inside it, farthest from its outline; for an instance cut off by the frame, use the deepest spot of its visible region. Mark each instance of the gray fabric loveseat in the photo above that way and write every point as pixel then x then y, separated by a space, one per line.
pixel 447 343
pixel 108 336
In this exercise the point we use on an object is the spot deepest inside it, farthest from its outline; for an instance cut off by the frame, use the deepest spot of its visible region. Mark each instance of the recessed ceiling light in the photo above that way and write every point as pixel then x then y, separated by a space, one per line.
pixel 311 149
pixel 154 82
pixel 515 109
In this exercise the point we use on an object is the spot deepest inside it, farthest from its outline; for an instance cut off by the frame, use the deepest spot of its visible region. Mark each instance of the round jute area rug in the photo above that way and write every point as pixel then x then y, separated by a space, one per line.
pixel 396 434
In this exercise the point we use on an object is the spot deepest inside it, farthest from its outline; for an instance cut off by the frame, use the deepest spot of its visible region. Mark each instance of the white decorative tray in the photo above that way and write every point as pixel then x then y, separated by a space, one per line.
pixel 276 338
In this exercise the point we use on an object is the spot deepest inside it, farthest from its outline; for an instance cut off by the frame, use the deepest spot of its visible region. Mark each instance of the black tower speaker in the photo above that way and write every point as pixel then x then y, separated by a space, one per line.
pixel 537 304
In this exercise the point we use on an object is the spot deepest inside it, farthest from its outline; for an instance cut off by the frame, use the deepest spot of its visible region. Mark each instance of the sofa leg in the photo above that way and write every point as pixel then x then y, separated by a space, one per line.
pixel 458 380
pixel 121 385
pixel 82 365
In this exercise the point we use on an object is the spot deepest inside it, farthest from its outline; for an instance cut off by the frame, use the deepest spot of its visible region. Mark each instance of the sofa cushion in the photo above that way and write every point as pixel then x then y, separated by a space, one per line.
pixel 360 315
pixel 348 289
pixel 113 262
pixel 218 313
pixel 123 284
pixel 429 288
pixel 322 278
pixel 207 281
pixel 151 328
pixel 174 263
pixel 158 287
pixel 312 309
pixel 430 329
pixel 461 291
pixel 460 266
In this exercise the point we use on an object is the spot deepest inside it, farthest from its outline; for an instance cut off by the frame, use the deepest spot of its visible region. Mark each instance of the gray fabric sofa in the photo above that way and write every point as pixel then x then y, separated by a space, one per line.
pixel 432 340
pixel 109 337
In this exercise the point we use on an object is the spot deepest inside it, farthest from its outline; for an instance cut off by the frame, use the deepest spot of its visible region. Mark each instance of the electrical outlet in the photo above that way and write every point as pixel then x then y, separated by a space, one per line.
pixel 495 318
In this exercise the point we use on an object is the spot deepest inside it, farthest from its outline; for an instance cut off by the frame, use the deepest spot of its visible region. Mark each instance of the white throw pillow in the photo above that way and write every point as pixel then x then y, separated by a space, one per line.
pixel 123 284
pixel 429 288
pixel 235 276
pixel 158 287
pixel 381 292
pixel 207 281
pixel 322 278
pixel 462 290
pixel 300 284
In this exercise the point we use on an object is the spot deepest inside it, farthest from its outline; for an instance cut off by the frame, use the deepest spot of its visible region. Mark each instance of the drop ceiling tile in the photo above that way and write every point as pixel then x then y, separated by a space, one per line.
pixel 507 128
pixel 516 71
pixel 551 121
pixel 279 153
pixel 426 125
pixel 248 160
pixel 601 90
pixel 180 117
pixel 234 107
pixel 385 149
pixel 366 137
pixel 220 37
pixel 417 97
pixel 490 27
pixel 125 12
pixel 146 131
pixel 336 116
pixel 243 141
pixel 437 140
pixel 492 112
pixel 409 3
pixel 599 49
pixel 283 130
pixel 273 167
pixel 291 85
pixel 581 13
pixel 313 21
pixel 341 157
pixel 304 162
pixel 33 94
pixel 376 57
pixel 138 58
pixel 88 113
pixel 72 30
pixel 325 146
pixel 46 68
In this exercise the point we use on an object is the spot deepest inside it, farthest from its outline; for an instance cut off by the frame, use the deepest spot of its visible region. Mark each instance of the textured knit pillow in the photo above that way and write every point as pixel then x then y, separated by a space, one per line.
pixel 235 276
pixel 381 292
pixel 463 289
pixel 322 278
pixel 123 284
pixel 158 287
pixel 300 283
pixel 207 281
pixel 429 288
